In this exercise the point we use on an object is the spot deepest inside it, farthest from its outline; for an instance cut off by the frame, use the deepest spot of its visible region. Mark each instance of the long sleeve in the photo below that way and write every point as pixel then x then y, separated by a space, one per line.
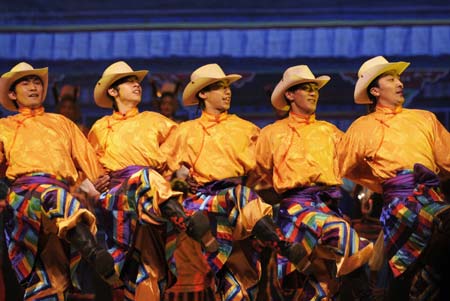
pixel 131 139
pixel 298 151
pixel 382 143
pixel 84 155
pixel 171 149
pixel 48 143
pixel 441 147
pixel 95 143
pixel 213 147
pixel 262 177
pixel 351 157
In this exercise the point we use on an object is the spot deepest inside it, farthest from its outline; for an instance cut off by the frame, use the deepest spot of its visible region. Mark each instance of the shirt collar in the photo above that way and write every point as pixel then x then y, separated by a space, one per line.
pixel 388 111
pixel 120 116
pixel 301 118
pixel 29 112
pixel 208 118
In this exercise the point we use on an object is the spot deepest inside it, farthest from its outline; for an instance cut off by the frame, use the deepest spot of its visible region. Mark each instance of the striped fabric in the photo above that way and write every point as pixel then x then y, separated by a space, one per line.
pixel 411 203
pixel 223 209
pixel 305 219
pixel 194 277
pixel 205 295
pixel 223 202
pixel 294 286
pixel 367 227
pixel 426 285
pixel 123 207
pixel 230 288
pixel 35 201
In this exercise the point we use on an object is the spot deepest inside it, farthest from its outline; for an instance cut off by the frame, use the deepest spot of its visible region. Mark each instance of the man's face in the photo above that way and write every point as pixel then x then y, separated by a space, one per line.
pixel 69 109
pixel 304 99
pixel 167 106
pixel 28 92
pixel 390 90
pixel 129 91
pixel 217 98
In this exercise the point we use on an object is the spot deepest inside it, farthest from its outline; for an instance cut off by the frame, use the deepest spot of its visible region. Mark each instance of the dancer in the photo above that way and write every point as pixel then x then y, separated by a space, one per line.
pixel 218 150
pixel 43 153
pixel 296 157
pixel 398 152
pixel 128 146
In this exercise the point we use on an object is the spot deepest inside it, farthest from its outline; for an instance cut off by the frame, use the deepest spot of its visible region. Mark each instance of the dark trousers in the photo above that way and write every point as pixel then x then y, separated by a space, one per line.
pixel 435 260
pixel 13 291
pixel 399 287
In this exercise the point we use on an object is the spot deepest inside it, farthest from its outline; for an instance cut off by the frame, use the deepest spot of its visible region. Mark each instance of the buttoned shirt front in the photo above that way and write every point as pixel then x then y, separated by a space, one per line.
pixel 378 145
pixel 134 138
pixel 35 141
pixel 213 147
pixel 298 151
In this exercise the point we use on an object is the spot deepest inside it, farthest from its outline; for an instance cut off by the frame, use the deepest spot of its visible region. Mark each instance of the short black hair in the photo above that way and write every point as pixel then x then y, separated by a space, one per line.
pixel 121 81
pixel 114 103
pixel 294 88
pixel 12 88
pixel 115 85
pixel 201 101
pixel 372 98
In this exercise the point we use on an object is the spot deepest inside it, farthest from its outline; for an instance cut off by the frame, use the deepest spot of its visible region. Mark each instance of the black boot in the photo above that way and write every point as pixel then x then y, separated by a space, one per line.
pixel 81 238
pixel 356 286
pixel 196 226
pixel 270 234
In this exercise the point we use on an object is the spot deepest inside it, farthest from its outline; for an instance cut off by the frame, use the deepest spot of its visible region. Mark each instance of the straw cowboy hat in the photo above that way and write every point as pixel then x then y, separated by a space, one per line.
pixel 202 77
pixel 293 76
pixel 111 74
pixel 370 70
pixel 17 72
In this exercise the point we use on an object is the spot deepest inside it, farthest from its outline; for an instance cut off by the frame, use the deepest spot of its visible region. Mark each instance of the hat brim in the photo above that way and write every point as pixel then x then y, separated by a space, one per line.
pixel 277 98
pixel 360 94
pixel 101 88
pixel 193 87
pixel 9 78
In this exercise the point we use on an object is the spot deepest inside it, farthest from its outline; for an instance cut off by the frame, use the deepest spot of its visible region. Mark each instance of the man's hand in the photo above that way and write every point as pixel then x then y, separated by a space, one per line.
pixel 88 188
pixel 366 207
pixel 102 183
pixel 193 184
pixel 364 197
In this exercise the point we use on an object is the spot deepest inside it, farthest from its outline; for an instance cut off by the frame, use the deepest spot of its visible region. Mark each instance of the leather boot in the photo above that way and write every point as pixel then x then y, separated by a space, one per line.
pixel 196 226
pixel 271 236
pixel 81 238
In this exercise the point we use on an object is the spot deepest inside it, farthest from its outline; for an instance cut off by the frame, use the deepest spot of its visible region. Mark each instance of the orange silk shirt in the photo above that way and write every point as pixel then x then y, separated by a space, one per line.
pixel 378 145
pixel 213 147
pixel 35 141
pixel 134 138
pixel 297 151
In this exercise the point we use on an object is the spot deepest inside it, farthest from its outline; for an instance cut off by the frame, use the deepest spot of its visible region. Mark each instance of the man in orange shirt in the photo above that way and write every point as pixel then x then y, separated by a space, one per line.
pixel 398 152
pixel 218 150
pixel 42 153
pixel 140 200
pixel 296 157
